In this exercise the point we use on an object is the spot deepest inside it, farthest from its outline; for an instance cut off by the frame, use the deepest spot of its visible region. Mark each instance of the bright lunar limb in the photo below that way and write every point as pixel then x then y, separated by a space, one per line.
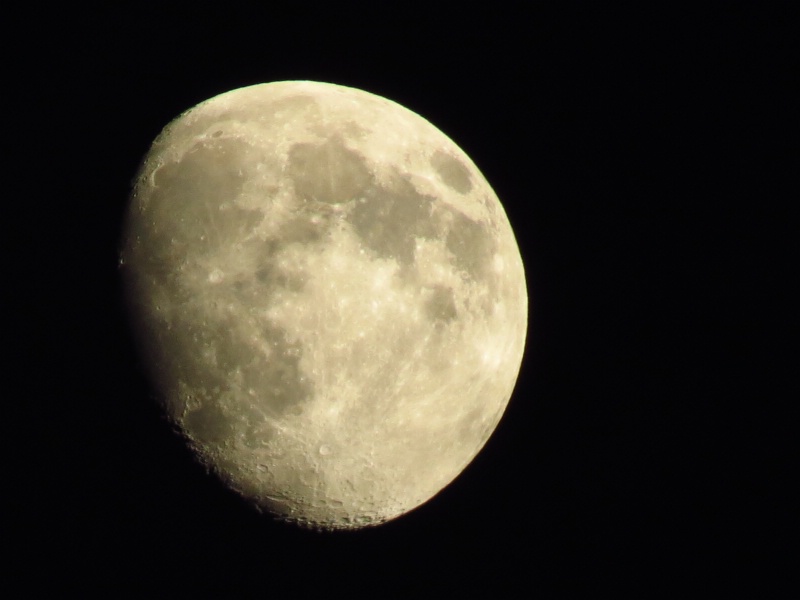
pixel 329 297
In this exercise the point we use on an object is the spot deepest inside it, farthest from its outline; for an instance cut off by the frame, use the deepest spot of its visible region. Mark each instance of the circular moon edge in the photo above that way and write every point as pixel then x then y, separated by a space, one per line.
pixel 328 296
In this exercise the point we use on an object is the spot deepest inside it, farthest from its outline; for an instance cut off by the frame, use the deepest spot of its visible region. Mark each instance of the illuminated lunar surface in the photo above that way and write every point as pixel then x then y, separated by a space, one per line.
pixel 329 297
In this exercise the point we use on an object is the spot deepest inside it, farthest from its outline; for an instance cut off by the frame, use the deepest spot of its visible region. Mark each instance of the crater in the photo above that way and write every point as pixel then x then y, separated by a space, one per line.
pixel 208 424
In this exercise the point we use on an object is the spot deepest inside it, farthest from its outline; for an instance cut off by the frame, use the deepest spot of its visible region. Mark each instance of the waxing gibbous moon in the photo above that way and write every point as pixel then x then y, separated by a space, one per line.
pixel 329 298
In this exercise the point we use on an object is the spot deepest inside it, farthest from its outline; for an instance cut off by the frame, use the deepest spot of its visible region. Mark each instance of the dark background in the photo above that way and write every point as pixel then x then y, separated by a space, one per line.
pixel 639 157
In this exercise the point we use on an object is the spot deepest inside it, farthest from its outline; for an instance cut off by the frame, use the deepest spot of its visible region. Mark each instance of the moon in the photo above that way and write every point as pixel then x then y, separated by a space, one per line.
pixel 328 296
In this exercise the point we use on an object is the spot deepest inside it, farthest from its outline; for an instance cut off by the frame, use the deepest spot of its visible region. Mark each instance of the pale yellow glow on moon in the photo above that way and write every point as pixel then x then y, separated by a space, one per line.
pixel 329 296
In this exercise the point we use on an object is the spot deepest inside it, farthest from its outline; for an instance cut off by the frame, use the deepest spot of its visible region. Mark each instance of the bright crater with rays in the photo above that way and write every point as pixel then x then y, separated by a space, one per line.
pixel 329 297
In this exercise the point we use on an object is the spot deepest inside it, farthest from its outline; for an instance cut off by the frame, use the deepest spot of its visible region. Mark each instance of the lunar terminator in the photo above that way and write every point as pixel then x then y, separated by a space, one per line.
pixel 329 298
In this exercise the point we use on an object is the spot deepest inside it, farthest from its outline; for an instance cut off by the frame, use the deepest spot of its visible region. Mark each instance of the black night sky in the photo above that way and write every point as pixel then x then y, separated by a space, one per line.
pixel 638 157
